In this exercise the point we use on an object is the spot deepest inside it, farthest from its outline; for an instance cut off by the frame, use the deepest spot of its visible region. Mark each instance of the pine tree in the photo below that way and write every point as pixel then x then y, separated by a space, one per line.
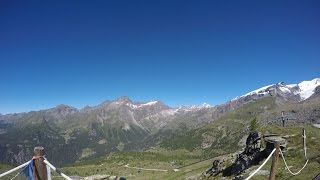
pixel 253 124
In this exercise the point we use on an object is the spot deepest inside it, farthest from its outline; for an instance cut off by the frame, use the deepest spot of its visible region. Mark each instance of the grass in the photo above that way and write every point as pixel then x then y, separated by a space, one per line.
pixel 6 167
pixel 115 164
pixel 295 155
pixel 159 158
pixel 223 135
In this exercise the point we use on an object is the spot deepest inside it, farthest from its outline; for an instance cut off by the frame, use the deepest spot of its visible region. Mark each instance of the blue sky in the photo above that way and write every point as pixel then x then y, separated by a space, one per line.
pixel 181 52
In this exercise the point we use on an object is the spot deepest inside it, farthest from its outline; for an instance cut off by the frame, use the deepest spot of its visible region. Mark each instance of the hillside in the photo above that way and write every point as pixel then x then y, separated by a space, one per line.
pixel 222 137
pixel 122 125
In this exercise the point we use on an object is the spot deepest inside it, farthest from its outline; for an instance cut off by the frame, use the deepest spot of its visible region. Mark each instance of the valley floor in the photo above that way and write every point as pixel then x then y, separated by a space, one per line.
pixel 181 164
pixel 159 163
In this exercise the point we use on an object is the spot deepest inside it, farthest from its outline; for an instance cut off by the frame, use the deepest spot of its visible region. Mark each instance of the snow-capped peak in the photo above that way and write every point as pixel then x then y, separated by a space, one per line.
pixel 131 105
pixel 193 107
pixel 258 91
pixel 304 89
pixel 135 106
pixel 307 88
pixel 206 105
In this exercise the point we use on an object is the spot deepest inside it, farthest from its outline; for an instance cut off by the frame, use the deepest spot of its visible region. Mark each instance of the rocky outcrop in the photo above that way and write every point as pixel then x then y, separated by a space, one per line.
pixel 251 155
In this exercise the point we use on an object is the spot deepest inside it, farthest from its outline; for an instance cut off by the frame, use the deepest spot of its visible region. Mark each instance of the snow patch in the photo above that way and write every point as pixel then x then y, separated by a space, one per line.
pixel 206 105
pixel 284 89
pixel 193 107
pixel 136 106
pixel 258 91
pixel 149 103
pixel 307 88
pixel 291 85
pixel 133 106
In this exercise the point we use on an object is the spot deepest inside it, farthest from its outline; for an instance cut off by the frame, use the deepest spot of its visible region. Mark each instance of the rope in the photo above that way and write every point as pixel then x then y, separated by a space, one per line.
pixel 56 170
pixel 305 155
pixel 15 175
pixel 18 173
pixel 288 167
pixel 252 174
pixel 14 169
pixel 25 164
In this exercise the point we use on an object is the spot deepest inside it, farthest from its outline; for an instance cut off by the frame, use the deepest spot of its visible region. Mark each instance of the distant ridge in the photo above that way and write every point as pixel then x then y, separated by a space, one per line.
pixel 122 124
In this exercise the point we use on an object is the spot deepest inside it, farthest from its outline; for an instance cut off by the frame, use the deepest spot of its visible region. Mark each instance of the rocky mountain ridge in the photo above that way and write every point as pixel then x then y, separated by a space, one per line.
pixel 122 124
pixel 296 92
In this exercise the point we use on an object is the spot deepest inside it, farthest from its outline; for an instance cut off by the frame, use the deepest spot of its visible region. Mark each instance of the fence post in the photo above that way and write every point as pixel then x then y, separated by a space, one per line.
pixel 40 169
pixel 275 159
pixel 304 142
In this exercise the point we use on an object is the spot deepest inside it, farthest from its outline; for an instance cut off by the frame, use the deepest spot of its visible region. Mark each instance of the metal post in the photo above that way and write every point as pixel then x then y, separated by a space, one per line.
pixel 282 118
pixel 275 159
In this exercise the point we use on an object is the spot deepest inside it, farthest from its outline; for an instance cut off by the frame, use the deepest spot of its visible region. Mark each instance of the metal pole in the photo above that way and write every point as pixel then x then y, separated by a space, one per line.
pixel 275 159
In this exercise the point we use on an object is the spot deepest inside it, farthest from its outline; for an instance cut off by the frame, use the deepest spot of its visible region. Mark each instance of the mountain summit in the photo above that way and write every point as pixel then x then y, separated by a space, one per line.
pixel 124 99
pixel 122 124
pixel 296 92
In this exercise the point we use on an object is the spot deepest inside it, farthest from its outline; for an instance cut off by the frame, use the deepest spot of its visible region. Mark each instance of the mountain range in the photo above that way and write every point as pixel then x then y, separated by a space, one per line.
pixel 70 134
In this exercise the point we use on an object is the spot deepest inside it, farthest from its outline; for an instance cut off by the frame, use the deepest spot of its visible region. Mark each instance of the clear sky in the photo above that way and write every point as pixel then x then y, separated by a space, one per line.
pixel 181 52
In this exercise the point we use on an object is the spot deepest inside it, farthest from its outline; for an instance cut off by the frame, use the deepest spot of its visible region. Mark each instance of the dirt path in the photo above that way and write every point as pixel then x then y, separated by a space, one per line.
pixel 163 170
pixel 316 125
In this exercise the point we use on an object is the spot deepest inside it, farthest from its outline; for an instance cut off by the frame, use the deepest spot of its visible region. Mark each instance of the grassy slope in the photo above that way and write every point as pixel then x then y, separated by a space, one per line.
pixel 162 159
pixel 182 150
pixel 226 133
pixel 295 155
pixel 6 167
